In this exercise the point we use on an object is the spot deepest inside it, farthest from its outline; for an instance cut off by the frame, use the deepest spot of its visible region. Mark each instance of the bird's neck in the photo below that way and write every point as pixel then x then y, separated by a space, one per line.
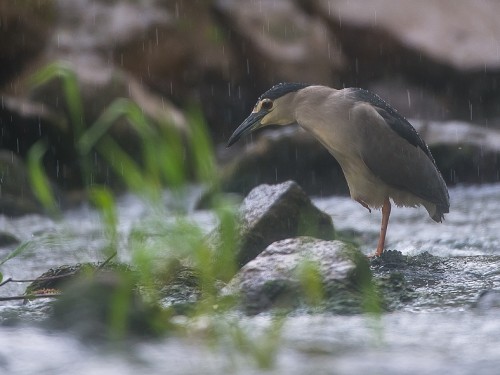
pixel 327 118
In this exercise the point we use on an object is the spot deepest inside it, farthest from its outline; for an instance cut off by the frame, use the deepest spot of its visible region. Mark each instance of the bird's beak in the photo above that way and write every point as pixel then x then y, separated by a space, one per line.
pixel 251 123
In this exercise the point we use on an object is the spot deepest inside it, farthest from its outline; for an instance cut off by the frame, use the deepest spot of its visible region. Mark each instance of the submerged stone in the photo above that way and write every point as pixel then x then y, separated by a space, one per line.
pixel 488 299
pixel 7 239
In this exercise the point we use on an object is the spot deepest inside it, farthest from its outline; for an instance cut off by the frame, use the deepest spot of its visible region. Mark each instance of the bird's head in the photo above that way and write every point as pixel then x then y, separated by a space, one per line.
pixel 274 107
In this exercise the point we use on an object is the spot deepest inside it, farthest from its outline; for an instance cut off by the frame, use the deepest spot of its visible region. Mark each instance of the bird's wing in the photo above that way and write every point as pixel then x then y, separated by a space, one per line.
pixel 393 118
pixel 392 149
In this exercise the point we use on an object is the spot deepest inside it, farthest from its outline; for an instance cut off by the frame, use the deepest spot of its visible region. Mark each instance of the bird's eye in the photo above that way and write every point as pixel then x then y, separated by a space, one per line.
pixel 266 104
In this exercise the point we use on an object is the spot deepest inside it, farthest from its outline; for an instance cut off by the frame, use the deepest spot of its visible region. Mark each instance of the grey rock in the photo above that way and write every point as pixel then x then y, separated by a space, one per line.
pixel 273 279
pixel 274 212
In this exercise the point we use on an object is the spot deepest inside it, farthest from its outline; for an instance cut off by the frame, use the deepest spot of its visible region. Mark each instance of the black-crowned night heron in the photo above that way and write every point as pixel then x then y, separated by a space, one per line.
pixel 381 154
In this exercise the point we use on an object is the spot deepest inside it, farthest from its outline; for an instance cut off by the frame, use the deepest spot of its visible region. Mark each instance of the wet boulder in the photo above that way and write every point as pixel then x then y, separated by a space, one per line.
pixel 297 272
pixel 274 212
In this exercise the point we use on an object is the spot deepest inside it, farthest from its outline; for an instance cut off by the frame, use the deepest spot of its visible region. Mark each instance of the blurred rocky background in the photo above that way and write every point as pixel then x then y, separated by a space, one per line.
pixel 436 61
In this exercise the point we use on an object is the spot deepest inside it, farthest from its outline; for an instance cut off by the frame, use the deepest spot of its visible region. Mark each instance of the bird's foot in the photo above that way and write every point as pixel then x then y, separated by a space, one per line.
pixel 376 254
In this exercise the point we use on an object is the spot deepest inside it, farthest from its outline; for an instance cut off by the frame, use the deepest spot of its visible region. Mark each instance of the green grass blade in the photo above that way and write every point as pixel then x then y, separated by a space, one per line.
pixel 18 250
pixel 39 182
pixel 104 201
pixel 95 133
pixel 202 148
pixel 70 87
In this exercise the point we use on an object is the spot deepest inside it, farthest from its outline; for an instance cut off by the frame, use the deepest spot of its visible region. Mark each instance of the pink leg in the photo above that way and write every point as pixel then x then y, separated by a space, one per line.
pixel 386 211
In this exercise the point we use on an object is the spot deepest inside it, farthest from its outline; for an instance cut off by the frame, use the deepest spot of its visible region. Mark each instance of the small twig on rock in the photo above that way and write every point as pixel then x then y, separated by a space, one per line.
pixel 8 280
pixel 30 296
pixel 48 278
pixel 107 260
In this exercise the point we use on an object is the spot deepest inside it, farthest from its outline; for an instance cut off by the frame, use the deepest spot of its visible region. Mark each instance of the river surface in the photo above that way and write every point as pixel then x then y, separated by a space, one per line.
pixel 440 332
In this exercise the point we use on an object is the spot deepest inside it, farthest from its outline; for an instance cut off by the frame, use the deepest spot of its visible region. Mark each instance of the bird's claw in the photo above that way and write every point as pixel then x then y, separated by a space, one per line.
pixel 364 205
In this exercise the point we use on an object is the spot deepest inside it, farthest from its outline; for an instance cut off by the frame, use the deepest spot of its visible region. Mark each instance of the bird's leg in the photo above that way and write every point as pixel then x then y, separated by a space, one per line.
pixel 386 211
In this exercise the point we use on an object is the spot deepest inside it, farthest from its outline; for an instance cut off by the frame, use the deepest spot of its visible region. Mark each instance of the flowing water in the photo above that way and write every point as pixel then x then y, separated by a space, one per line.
pixel 439 332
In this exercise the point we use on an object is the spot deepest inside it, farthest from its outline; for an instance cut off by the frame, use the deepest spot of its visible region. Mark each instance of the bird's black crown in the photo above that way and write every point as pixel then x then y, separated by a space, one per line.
pixel 281 89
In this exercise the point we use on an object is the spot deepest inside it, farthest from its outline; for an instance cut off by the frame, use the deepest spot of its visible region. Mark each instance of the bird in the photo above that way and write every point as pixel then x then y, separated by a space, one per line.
pixel 382 156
